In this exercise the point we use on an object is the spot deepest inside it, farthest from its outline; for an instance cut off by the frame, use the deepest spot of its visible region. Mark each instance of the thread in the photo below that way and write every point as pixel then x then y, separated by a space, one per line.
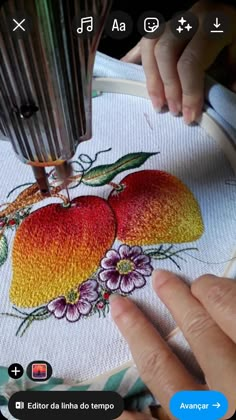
pixel 30 196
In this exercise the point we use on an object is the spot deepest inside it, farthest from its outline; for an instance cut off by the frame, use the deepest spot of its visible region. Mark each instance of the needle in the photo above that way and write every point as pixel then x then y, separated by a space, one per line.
pixel 64 172
pixel 68 195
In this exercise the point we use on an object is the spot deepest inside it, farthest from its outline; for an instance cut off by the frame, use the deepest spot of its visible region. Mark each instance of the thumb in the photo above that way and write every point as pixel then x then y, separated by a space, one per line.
pixel 134 55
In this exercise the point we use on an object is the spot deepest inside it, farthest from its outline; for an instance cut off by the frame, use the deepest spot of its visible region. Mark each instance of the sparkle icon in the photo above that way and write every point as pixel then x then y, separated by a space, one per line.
pixel 182 21
pixel 185 25
pixel 188 27
pixel 179 29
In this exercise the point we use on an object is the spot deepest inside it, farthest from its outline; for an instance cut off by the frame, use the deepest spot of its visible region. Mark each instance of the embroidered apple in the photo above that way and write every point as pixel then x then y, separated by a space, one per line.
pixel 57 248
pixel 155 207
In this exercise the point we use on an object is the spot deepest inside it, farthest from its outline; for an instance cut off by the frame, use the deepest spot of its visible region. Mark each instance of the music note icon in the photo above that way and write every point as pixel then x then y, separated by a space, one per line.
pixel 87 22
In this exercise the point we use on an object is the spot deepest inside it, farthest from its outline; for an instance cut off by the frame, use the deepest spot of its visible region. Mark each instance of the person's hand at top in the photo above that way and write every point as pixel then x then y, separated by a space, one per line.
pixel 175 67
pixel 206 315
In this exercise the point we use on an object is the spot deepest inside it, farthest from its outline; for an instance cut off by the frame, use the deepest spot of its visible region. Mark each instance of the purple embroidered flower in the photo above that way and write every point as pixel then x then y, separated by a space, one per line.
pixel 125 269
pixel 76 303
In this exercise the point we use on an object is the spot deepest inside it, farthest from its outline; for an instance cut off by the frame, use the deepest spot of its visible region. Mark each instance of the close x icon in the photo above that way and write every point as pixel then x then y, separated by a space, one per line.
pixel 19 25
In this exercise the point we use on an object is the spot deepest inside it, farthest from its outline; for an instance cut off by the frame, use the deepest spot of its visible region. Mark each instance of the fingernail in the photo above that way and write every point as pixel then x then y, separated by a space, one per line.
pixel 118 304
pixel 157 103
pixel 160 277
pixel 173 108
pixel 114 296
pixel 189 115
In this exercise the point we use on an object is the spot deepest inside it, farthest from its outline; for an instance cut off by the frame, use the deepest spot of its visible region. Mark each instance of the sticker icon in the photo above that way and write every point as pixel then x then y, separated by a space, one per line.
pixel 39 371
pixel 151 24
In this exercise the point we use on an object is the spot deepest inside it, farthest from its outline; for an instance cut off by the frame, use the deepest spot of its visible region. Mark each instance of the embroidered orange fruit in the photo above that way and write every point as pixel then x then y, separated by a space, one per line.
pixel 155 207
pixel 57 248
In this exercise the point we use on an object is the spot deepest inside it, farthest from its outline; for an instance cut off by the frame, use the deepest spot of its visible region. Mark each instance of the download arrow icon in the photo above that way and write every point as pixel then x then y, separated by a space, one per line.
pixel 217 24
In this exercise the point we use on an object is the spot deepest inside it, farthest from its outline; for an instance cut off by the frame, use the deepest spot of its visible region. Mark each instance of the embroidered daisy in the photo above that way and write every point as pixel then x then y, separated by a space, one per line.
pixel 76 303
pixel 125 269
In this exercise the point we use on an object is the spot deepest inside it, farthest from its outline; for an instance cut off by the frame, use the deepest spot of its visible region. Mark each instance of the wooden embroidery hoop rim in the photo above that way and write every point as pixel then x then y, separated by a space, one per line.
pixel 135 88
pixel 212 128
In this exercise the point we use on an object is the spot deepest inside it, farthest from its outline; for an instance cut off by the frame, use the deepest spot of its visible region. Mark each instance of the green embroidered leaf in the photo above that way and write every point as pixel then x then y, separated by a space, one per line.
pixel 102 175
pixel 3 250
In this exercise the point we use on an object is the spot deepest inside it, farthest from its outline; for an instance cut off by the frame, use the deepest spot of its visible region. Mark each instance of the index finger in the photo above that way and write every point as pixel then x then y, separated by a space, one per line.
pixel 159 368
pixel 197 57
pixel 218 296
pixel 213 349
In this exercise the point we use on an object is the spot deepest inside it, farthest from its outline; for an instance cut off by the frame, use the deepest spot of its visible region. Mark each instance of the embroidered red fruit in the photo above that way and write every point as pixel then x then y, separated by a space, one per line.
pixel 100 305
pixel 155 207
pixel 2 224
pixel 57 248
pixel 106 295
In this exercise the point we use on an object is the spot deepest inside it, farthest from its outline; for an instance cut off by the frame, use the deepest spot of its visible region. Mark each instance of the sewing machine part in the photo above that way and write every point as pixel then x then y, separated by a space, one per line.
pixel 42 179
pixel 46 82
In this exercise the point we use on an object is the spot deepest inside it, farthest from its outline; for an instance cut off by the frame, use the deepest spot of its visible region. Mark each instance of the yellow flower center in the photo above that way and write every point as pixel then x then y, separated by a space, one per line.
pixel 125 266
pixel 72 297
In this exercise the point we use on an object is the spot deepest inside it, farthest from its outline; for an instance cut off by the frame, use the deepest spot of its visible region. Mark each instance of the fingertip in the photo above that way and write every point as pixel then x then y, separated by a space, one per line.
pixel 157 103
pixel 192 107
pixel 199 285
pixel 160 277
pixel 117 303
pixel 188 115
pixel 125 58
pixel 133 56
pixel 174 107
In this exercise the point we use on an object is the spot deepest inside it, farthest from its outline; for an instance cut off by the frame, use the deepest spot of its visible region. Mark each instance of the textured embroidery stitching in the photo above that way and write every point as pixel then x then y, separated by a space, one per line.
pixel 64 260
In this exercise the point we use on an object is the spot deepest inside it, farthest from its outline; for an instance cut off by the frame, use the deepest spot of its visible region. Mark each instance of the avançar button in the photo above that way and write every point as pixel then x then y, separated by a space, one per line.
pixel 198 405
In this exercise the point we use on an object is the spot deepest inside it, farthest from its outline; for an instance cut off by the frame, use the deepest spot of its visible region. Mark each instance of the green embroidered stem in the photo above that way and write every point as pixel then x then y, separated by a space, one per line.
pixel 19 186
pixel 117 187
pixel 30 321
pixel 3 249
pixel 87 160
pixel 103 174
pixel 37 314
pixel 20 312
pixel 161 253
pixel 12 315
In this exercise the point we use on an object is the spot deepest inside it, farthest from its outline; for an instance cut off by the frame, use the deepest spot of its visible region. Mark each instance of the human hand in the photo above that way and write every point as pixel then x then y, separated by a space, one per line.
pixel 206 315
pixel 175 67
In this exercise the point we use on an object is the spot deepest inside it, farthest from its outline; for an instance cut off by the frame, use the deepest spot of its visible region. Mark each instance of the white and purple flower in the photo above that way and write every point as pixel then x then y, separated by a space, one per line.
pixel 78 302
pixel 125 269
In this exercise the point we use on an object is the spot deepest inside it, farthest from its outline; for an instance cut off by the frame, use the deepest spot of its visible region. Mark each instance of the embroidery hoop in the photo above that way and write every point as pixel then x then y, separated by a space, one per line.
pixel 212 128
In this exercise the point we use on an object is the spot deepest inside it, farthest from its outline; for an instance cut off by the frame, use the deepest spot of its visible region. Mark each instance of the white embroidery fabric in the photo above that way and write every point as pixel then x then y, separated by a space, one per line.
pixel 83 350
